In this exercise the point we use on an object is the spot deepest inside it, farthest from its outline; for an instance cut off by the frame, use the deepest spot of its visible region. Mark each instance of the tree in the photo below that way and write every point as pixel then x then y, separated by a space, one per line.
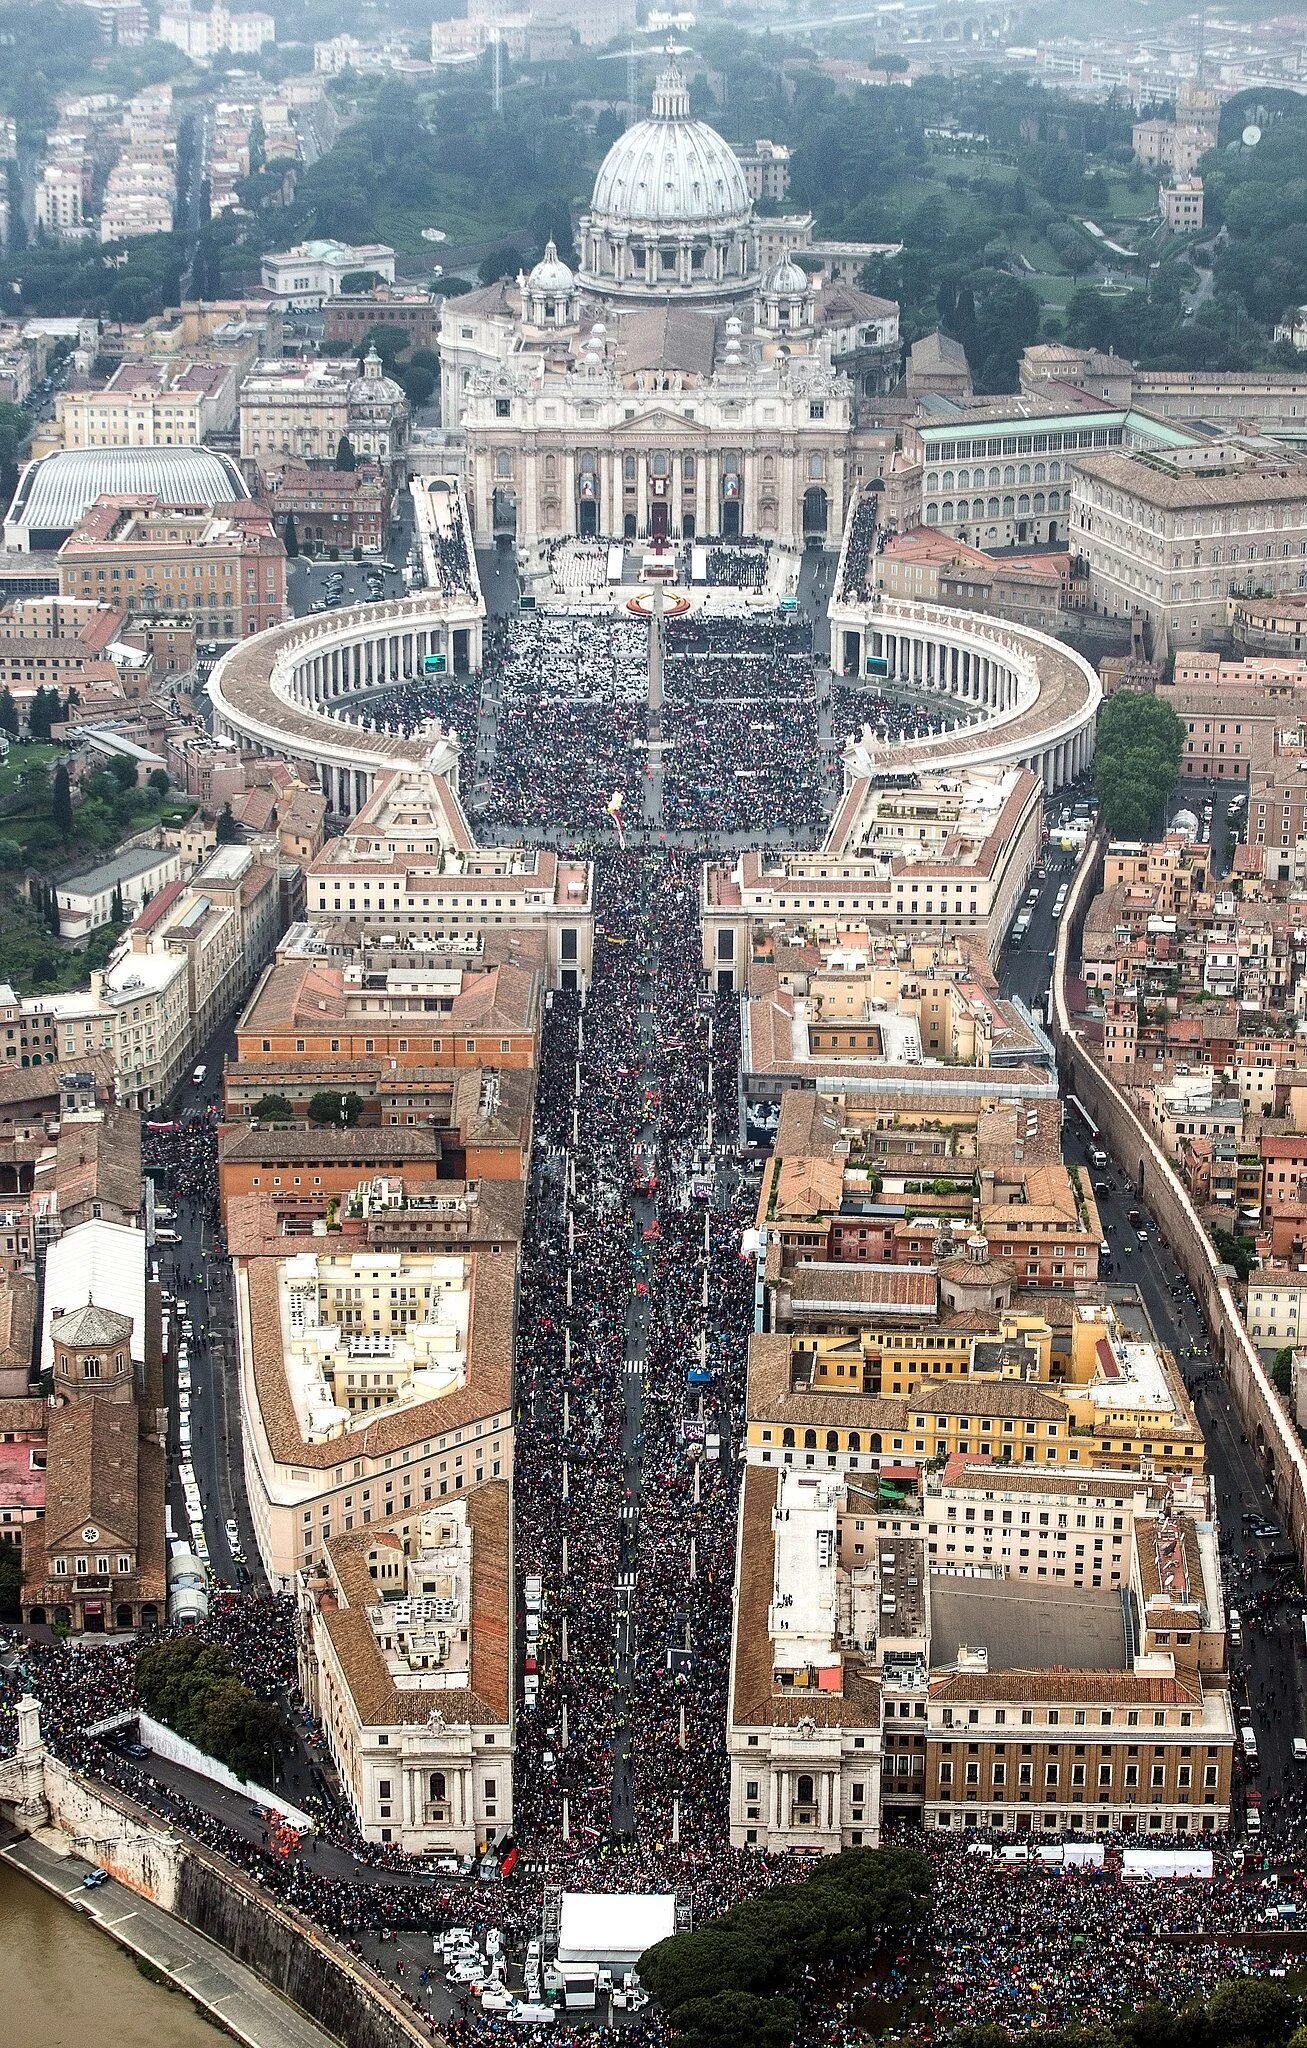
pixel 226 829
pixel 505 261
pixel 418 385
pixel 345 456
pixel 273 1109
pixel 117 908
pixel 1247 2012
pixel 291 537
pixel 736 2019
pixel 42 712
pixel 332 1106
pixel 158 781
pixel 1137 758
pixel 61 799
pixel 194 1687
pixel 8 713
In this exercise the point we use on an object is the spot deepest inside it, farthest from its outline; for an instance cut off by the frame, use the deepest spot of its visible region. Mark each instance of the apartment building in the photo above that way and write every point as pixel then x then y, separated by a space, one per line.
pixel 1181 205
pixel 407 863
pixel 868 1684
pixel 224 568
pixel 406 1659
pixel 304 409
pixel 149 404
pixel 947 854
pixel 313 272
pixel 1173 533
pixel 374 1382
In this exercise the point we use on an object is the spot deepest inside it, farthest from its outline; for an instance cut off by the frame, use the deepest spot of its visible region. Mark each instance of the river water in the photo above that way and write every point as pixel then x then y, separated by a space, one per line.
pixel 64 1984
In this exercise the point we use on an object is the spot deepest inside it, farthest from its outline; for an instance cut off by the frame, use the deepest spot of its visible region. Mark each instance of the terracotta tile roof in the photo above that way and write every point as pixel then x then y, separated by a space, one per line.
pixel 379 1702
pixel 487 1391
pixel 91 1469
pixel 754 1703
pixel 1058 1685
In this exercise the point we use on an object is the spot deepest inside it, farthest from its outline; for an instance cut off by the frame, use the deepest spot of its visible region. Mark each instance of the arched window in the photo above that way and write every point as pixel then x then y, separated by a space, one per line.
pixel 817 466
pixel 628 468
pixel 1009 507
pixel 658 463
pixel 551 468
pixel 1010 474
pixel 687 469
pixel 993 478
pixel 787 1439
pixel 438 1793
pixel 1039 501
pixel 1023 474
pixel 803 1789
pixel 503 463
pixel 855 1440
pixel 1023 502
pixel 832 1440
pixel 809 1439
pixel 932 515
pixel 946 512
pixel 992 509
pixel 768 468
pixel 946 481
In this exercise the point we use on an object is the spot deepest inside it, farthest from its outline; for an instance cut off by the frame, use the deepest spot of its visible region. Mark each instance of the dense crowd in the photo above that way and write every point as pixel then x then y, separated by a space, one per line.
pixel 635 1307
pixel 569 697
pixel 893 718
pixel 866 539
pixel 450 549
pixel 736 566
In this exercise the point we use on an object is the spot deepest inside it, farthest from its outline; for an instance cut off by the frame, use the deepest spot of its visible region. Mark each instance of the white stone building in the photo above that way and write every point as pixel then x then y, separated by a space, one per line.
pixel 674 386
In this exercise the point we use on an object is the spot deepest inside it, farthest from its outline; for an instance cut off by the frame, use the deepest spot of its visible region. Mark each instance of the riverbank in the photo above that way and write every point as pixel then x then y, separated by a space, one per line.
pixel 217 1986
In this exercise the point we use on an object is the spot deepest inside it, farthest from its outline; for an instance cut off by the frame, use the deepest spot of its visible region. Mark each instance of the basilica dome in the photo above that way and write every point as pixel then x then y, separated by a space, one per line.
pixel 670 171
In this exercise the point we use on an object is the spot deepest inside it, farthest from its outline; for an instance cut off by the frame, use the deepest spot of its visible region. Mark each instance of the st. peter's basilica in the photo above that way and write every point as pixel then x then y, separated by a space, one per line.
pixel 693 378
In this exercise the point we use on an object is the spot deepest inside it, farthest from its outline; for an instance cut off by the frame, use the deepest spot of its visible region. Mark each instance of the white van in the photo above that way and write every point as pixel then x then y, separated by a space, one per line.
pixel 1249 1741
pixel 197 1078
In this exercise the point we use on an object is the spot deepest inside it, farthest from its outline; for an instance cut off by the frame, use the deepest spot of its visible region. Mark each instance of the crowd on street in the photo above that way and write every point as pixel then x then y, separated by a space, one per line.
pixel 636 1300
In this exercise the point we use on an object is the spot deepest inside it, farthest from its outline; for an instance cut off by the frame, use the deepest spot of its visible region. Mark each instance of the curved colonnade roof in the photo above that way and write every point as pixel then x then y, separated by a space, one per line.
pixel 243 693
pixel 1067 699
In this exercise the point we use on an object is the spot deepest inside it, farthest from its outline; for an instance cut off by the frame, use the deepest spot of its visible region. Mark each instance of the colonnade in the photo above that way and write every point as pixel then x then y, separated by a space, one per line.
pixel 278 693
pixel 999 675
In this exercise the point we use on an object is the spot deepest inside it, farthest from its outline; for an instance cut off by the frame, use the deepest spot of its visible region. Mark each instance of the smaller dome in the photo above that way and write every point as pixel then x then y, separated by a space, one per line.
pixel 735 325
pixel 551 275
pixel 598 331
pixel 785 279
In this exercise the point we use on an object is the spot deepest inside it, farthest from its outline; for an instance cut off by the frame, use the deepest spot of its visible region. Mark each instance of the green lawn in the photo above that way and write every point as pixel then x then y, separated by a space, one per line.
pixel 24 755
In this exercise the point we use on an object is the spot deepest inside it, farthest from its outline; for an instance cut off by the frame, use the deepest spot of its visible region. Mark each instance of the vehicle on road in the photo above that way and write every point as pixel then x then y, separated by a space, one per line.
pixel 94 1879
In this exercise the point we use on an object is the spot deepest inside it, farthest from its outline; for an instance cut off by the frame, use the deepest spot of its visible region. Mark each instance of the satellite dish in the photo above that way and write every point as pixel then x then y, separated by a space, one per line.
pixel 1252 135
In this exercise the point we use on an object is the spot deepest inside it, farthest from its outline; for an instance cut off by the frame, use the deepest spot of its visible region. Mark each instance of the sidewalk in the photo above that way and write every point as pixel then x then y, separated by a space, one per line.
pixel 239 2000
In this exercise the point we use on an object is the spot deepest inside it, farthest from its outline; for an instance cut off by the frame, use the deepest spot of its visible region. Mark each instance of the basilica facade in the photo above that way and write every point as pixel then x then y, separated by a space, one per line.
pixel 674 387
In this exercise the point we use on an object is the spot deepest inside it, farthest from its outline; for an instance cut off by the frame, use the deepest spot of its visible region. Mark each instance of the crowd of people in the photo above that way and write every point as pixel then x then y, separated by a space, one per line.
pixel 569 702
pixel 890 718
pixel 866 539
pixel 736 565
pixel 635 1307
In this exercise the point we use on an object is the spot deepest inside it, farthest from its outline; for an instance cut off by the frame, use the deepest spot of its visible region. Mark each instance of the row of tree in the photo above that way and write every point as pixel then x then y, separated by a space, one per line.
pixel 193 1686
pixel 1242 2012
pixel 734 1981
pixel 1136 761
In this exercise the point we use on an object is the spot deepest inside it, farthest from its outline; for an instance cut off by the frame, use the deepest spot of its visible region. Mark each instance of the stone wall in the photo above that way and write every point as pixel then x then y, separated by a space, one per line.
pixel 323 1979
pixel 288 1952
pixel 1261 1413
pixel 126 1840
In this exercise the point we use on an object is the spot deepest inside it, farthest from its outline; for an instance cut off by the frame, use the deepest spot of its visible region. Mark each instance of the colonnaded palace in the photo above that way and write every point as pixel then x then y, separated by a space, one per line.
pixel 692 379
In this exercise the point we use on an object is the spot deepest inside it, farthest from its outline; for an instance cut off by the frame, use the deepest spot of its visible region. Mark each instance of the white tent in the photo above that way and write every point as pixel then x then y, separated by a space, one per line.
pixel 613 1929
pixel 1166 1863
